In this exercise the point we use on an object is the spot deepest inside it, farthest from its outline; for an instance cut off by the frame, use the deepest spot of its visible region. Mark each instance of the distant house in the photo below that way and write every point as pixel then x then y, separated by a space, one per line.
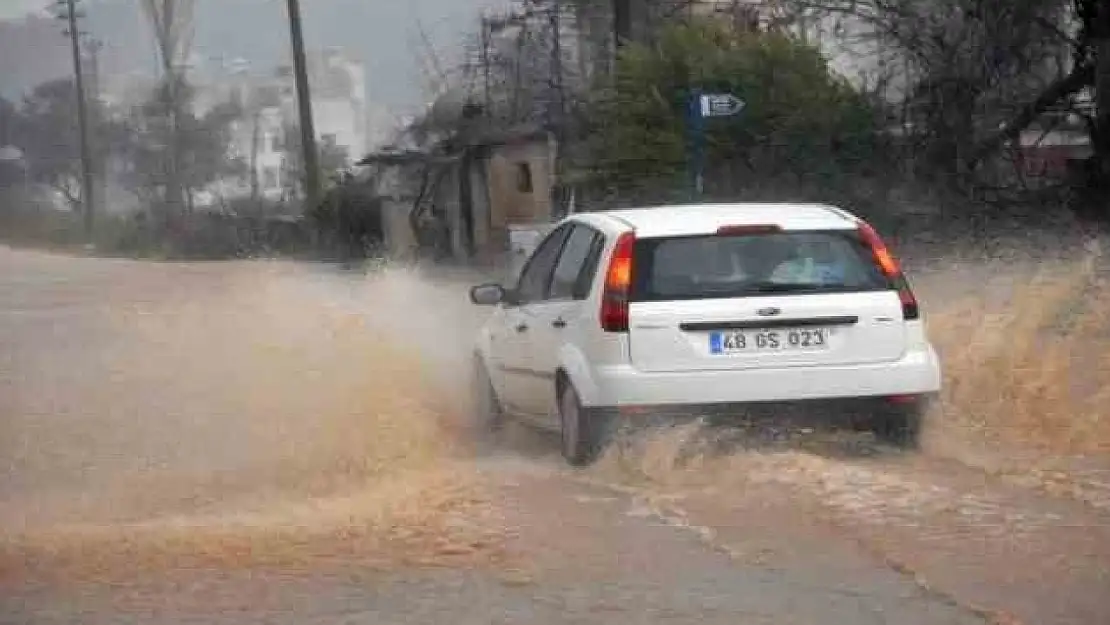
pixel 1052 154
pixel 1056 144
pixel 261 137
pixel 1047 156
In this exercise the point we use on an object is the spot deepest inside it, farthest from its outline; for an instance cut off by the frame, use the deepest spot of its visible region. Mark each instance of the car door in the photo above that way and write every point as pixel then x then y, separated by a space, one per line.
pixel 559 317
pixel 514 350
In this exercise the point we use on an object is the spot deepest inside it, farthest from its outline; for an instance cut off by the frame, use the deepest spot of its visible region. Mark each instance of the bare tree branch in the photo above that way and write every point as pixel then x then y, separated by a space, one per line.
pixel 65 185
pixel 1079 78
pixel 172 23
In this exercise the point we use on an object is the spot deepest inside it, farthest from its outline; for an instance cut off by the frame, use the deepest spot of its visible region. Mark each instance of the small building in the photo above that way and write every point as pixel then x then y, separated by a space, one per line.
pixel 465 197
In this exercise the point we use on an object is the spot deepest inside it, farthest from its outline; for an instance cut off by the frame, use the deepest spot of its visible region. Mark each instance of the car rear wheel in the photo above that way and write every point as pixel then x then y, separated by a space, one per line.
pixel 583 431
pixel 900 427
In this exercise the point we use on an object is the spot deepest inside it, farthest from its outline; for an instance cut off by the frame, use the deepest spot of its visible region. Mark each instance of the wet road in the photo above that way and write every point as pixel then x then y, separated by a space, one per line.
pixel 268 442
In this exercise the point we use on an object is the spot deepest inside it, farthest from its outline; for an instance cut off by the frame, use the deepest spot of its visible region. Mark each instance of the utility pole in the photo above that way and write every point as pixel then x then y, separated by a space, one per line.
pixel 82 120
pixel 1101 139
pixel 92 96
pixel 485 60
pixel 557 105
pixel 304 107
pixel 558 118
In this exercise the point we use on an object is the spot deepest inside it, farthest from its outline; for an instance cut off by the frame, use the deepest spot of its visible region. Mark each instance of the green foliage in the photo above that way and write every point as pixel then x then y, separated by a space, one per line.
pixel 9 119
pixel 45 127
pixel 349 219
pixel 11 168
pixel 801 120
pixel 201 143
pixel 331 158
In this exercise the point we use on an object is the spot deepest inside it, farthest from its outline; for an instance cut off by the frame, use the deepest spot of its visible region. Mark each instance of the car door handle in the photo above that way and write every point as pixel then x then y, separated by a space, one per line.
pixel 559 323
pixel 522 327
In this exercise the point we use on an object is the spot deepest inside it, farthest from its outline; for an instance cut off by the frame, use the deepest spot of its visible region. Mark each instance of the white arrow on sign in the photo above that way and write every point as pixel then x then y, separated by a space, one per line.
pixel 720 105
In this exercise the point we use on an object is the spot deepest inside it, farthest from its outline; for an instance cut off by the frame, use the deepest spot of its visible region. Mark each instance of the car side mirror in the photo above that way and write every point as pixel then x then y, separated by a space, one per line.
pixel 488 294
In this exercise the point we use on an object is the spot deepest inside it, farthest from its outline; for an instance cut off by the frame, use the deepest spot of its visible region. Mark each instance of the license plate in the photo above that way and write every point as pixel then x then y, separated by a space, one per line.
pixel 758 341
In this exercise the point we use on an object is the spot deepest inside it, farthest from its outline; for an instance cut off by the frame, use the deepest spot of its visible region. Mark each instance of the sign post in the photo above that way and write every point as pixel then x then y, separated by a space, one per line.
pixel 700 107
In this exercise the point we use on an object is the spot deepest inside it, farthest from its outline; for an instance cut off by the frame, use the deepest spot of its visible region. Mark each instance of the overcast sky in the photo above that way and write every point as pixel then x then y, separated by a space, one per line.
pixel 18 8
pixel 383 34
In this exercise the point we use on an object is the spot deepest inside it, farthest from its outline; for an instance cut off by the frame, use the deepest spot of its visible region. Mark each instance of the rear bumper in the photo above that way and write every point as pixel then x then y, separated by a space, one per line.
pixel 854 412
pixel 918 373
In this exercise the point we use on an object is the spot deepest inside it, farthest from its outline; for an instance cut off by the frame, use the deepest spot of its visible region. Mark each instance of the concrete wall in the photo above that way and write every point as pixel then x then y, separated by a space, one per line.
pixel 395 221
pixel 509 202
pixel 485 240
pixel 398 187
pixel 446 205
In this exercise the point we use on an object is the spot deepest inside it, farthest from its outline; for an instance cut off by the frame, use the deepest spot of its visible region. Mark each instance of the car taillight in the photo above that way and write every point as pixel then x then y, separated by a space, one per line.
pixel 891 269
pixel 618 283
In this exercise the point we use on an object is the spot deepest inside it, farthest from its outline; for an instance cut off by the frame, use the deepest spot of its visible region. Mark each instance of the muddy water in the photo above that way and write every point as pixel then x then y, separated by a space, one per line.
pixel 227 411
pixel 160 416
pixel 138 392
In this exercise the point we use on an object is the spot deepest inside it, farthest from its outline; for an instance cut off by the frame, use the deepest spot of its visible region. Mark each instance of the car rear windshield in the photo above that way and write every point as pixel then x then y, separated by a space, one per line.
pixel 705 267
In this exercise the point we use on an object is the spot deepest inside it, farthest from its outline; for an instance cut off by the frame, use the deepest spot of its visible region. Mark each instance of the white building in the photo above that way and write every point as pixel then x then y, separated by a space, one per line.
pixel 260 139
pixel 265 137
pixel 339 108
pixel 257 140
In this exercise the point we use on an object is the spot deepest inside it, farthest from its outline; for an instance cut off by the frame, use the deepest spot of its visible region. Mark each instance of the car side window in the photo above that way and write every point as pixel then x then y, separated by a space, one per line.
pixel 590 267
pixel 536 275
pixel 567 278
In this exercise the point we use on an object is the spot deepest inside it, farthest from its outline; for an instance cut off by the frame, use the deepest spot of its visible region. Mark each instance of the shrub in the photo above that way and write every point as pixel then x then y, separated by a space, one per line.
pixel 803 127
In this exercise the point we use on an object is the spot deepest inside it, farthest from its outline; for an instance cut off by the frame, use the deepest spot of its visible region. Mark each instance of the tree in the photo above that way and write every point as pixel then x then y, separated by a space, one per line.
pixel 333 160
pixel 979 72
pixel 172 24
pixel 11 168
pixel 802 125
pixel 164 131
pixel 9 119
pixel 48 135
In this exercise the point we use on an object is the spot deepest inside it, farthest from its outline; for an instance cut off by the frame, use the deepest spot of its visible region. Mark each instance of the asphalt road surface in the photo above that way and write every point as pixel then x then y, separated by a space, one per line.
pixel 275 443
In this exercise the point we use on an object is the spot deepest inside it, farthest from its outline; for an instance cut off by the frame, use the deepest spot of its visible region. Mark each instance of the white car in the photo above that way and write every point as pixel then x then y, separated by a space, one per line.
pixel 626 312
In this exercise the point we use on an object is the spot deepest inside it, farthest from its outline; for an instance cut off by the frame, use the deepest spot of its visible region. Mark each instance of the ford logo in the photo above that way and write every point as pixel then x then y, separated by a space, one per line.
pixel 768 312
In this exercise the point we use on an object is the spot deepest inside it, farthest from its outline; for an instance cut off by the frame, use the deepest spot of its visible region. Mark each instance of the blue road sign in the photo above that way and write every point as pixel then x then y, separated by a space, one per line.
pixel 700 107
pixel 720 105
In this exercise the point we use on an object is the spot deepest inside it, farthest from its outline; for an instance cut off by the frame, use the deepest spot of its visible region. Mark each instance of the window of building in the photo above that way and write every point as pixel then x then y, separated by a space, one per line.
pixel 524 177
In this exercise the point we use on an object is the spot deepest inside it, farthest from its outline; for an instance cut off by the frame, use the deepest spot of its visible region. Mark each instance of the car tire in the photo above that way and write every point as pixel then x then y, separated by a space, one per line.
pixel 488 414
pixel 584 432
pixel 900 427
